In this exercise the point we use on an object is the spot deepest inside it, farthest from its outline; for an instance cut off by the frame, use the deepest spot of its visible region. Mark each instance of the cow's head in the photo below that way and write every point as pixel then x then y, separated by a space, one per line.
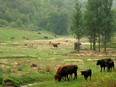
pixel 57 77
pixel 82 72
pixel 98 62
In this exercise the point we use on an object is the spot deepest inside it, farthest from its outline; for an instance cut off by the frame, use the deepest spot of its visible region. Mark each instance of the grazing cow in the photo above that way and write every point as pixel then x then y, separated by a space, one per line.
pixel 110 65
pixel 33 65
pixel 87 73
pixel 55 44
pixel 64 71
pixel 103 63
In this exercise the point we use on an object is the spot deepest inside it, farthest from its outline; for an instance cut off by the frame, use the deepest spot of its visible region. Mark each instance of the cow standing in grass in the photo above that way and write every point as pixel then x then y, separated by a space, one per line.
pixel 105 63
pixel 87 73
pixel 54 44
pixel 64 71
pixel 110 65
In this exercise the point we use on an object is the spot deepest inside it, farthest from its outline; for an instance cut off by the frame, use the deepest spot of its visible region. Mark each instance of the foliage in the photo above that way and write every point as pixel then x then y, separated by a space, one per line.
pixel 26 78
pixel 114 20
pixel 77 23
pixel 50 15
pixel 99 21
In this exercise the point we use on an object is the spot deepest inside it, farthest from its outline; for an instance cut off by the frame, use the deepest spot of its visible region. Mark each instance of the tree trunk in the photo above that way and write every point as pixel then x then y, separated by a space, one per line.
pixel 78 45
pixel 90 45
pixel 105 42
pixel 94 42
pixel 90 40
pixel 99 42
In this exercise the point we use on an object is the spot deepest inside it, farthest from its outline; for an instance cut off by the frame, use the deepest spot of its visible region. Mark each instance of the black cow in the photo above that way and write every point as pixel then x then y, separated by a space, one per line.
pixel 103 63
pixel 64 71
pixel 87 73
pixel 110 65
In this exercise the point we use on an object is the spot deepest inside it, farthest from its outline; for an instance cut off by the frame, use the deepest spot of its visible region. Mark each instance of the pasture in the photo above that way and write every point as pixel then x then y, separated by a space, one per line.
pixel 18 56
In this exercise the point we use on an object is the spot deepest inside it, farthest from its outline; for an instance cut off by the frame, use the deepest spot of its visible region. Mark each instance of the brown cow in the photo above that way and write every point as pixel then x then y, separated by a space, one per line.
pixel 55 44
pixel 64 71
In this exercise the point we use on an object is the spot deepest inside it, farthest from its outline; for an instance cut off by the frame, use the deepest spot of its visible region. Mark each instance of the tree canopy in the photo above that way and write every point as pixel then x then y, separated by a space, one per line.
pixel 51 15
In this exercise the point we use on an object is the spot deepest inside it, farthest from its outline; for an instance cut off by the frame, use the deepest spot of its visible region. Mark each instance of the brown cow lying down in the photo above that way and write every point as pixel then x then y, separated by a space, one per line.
pixel 64 71
pixel 87 73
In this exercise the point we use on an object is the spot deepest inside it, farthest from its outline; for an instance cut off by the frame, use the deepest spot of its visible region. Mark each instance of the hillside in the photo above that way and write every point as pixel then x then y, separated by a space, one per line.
pixel 10 34
pixel 50 15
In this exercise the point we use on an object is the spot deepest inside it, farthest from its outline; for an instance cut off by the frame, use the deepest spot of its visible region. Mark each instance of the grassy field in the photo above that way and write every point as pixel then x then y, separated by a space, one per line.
pixel 18 55
pixel 7 34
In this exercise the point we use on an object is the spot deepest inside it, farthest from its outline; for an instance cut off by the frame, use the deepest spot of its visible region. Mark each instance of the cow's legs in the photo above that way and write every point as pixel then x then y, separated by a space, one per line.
pixel 101 69
pixel 104 69
pixel 85 78
pixel 67 77
pixel 90 77
pixel 75 75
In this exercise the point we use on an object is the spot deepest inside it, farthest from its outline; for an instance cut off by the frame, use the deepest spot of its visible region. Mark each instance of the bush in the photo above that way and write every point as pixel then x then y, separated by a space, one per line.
pixel 1 80
pixel 26 79
pixel 3 23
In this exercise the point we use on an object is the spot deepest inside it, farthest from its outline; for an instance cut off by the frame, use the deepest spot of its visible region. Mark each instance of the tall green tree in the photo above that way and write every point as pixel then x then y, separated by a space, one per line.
pixel 58 23
pixel 106 21
pixel 114 20
pixel 99 21
pixel 91 22
pixel 77 23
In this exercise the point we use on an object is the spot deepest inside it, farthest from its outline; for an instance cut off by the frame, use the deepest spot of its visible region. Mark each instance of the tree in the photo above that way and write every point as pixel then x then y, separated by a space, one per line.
pixel 114 20
pixel 77 24
pixel 99 21
pixel 58 23
pixel 90 17
pixel 106 21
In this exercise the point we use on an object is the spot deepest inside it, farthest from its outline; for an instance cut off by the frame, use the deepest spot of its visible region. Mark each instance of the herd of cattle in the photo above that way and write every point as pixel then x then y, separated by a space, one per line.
pixel 66 71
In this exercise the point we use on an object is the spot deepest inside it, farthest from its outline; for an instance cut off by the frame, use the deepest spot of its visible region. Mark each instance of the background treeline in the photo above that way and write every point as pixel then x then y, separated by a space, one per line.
pixel 51 15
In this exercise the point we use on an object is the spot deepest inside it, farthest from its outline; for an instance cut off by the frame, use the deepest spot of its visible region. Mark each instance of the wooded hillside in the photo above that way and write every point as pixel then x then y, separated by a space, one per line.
pixel 51 15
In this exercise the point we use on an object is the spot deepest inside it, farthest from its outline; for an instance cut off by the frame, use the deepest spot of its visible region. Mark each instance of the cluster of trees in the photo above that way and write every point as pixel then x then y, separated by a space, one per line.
pixel 51 15
pixel 97 22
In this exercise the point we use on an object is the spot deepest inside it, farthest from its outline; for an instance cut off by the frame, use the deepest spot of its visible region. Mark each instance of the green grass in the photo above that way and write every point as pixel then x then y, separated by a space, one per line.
pixel 97 78
pixel 48 59
pixel 7 33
